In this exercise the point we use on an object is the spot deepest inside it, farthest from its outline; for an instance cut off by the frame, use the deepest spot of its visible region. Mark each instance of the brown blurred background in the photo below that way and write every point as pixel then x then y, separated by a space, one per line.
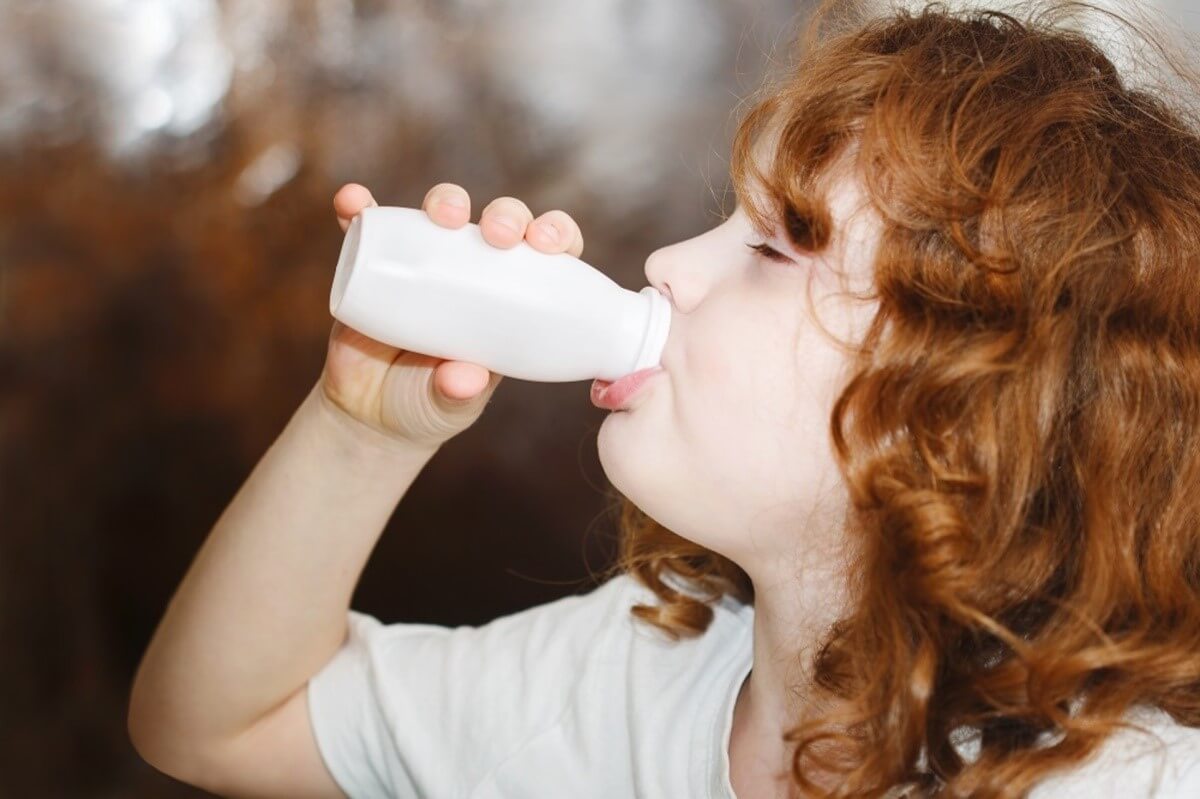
pixel 167 245
pixel 167 242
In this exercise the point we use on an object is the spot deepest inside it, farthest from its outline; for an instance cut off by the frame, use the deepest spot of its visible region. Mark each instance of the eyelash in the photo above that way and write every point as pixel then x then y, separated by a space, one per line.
pixel 768 252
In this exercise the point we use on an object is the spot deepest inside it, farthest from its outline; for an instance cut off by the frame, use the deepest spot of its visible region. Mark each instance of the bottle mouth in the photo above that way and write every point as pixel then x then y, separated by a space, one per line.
pixel 345 264
pixel 657 327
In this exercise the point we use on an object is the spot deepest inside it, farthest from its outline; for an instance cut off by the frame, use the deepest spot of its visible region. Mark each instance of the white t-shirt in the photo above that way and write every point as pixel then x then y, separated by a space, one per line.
pixel 576 698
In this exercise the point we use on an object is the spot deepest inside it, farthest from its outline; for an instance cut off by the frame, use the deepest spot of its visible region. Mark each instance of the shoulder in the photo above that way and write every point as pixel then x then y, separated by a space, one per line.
pixel 1161 760
pixel 425 710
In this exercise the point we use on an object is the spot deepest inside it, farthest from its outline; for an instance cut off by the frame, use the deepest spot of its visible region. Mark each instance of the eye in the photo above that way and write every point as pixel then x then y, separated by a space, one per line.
pixel 768 252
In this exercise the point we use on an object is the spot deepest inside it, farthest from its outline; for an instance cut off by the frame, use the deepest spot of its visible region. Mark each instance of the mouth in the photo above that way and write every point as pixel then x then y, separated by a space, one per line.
pixel 616 395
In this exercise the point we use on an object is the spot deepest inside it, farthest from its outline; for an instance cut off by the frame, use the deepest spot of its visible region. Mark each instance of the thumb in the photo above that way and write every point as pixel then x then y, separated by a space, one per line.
pixel 460 380
pixel 458 377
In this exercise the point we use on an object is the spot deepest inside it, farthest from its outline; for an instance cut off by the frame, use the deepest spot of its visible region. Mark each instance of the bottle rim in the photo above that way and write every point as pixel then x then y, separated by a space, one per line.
pixel 658 322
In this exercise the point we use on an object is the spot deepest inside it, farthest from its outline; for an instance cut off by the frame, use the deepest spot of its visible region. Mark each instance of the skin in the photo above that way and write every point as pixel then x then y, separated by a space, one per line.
pixel 219 700
pixel 731 448
pixel 727 446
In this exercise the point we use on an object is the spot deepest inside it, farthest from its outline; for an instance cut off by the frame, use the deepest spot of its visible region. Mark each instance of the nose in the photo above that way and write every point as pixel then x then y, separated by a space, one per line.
pixel 667 270
pixel 655 276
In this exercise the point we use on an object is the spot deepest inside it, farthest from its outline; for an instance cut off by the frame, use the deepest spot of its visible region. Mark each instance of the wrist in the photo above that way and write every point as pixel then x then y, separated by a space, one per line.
pixel 354 437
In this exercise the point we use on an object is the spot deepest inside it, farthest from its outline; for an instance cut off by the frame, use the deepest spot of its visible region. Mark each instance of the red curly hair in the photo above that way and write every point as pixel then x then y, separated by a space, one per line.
pixel 1020 436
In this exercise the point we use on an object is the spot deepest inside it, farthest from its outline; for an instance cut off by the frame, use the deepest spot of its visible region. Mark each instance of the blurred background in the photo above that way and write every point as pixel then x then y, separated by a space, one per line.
pixel 167 245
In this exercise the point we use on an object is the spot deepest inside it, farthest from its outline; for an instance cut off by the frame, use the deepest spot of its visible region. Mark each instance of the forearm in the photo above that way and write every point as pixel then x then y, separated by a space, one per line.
pixel 263 606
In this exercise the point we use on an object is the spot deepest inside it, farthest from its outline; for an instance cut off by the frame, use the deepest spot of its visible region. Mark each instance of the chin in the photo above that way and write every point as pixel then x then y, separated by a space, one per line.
pixel 610 451
pixel 634 457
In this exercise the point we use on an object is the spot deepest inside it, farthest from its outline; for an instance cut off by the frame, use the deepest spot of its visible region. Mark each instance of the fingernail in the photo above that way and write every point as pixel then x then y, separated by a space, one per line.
pixel 454 200
pixel 550 231
pixel 507 222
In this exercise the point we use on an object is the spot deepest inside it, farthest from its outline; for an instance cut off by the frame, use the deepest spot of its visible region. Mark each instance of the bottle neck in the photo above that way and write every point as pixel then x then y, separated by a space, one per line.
pixel 658 323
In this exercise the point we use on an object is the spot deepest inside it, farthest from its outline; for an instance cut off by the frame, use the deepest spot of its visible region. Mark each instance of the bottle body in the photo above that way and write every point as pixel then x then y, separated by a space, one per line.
pixel 408 282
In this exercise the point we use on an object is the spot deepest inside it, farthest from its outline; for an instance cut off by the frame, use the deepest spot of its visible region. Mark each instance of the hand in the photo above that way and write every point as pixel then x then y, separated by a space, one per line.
pixel 415 398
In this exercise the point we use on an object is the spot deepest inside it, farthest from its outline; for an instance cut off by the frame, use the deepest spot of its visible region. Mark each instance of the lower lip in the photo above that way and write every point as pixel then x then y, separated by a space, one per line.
pixel 615 396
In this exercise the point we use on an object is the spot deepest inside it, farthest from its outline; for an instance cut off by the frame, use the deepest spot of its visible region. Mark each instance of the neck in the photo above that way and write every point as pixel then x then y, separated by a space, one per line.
pixel 792 616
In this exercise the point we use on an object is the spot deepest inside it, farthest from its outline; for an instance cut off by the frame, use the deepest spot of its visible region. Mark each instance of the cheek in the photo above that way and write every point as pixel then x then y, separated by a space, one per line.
pixel 725 362
pixel 744 390
pixel 763 393
pixel 745 360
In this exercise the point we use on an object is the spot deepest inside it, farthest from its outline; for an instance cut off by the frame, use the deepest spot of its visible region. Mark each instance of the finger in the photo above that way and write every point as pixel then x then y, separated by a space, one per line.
pixel 504 220
pixel 348 201
pixel 448 204
pixel 556 231
pixel 460 379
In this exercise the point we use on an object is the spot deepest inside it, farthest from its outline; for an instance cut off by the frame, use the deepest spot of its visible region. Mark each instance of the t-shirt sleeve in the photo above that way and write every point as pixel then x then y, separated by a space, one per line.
pixel 1164 764
pixel 418 710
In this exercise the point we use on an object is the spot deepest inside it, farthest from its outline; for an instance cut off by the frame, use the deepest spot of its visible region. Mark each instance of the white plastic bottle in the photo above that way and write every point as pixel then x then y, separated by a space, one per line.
pixel 406 281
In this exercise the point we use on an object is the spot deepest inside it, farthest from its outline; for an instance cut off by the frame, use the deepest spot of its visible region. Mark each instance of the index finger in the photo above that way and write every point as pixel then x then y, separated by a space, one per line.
pixel 349 200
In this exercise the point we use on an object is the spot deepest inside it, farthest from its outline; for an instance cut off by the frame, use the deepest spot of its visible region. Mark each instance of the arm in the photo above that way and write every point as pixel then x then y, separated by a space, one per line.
pixel 264 604
pixel 220 697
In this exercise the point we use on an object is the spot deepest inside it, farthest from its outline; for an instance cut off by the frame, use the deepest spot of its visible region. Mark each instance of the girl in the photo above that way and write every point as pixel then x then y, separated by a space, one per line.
pixel 909 510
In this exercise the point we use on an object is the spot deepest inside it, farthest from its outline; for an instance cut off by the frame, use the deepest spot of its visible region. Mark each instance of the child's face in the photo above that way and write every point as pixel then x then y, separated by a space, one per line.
pixel 730 447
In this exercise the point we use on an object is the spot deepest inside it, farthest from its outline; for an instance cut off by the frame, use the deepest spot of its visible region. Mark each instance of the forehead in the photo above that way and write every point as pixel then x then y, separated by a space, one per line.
pixel 857 230
pixel 845 192
pixel 856 224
